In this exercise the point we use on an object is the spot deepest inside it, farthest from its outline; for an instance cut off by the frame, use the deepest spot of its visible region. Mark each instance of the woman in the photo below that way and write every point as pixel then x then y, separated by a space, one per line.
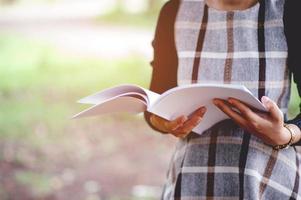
pixel 239 42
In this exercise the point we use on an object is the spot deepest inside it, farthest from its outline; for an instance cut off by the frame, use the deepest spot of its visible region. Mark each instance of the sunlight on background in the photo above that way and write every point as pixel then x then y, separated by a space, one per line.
pixel 53 52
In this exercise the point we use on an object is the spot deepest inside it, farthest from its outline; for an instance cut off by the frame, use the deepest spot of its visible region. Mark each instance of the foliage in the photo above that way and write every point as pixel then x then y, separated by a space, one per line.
pixel 145 19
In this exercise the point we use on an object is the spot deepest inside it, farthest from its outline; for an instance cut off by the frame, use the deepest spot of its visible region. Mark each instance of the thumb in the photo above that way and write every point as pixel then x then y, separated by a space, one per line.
pixel 173 125
pixel 273 109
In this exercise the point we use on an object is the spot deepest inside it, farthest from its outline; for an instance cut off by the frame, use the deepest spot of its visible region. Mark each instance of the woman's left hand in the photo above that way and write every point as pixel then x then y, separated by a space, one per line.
pixel 267 126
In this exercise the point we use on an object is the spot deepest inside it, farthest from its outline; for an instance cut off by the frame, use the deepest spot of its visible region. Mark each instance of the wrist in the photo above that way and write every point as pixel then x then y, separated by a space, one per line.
pixel 279 137
pixel 297 131
pixel 289 135
pixel 284 138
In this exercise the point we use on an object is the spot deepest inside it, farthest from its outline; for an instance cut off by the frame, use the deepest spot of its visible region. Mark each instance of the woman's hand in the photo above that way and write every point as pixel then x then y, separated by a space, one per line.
pixel 181 126
pixel 267 126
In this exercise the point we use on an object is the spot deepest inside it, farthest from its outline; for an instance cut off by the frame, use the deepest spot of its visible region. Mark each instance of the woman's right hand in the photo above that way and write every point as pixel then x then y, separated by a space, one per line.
pixel 181 126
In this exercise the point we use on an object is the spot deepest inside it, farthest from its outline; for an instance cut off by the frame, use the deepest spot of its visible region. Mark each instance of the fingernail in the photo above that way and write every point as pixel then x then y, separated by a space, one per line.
pixel 199 120
pixel 202 109
pixel 183 119
pixel 180 121
pixel 175 128
pixel 215 101
pixel 264 99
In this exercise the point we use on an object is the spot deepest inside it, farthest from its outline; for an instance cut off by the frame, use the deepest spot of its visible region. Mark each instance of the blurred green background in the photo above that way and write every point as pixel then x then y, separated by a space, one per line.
pixel 53 52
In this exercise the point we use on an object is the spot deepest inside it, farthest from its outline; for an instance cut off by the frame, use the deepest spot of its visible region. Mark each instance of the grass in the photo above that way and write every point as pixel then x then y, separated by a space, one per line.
pixel 39 183
pixel 294 103
pixel 43 68
pixel 145 19
pixel 39 87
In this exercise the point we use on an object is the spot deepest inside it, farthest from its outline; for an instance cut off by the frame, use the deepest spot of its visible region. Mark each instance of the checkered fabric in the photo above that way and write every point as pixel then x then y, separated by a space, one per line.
pixel 245 47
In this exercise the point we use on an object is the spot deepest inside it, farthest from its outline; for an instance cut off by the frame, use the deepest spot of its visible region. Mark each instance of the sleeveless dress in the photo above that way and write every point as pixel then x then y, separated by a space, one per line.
pixel 245 47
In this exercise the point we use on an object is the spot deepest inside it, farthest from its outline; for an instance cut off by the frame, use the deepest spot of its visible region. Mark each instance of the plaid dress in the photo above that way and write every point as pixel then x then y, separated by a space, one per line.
pixel 245 47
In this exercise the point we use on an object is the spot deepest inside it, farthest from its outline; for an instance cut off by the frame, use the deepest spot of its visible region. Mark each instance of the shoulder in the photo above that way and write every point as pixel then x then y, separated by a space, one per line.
pixel 166 21
pixel 169 11
pixel 170 6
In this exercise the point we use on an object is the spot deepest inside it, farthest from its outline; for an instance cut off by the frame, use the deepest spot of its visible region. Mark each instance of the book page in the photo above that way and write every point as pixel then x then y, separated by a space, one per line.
pixel 186 99
pixel 121 90
pixel 114 105
pixel 152 96
pixel 111 92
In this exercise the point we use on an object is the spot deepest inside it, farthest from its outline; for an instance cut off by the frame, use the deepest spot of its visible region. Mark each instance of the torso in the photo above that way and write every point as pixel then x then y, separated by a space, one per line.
pixel 230 5
pixel 226 162
pixel 232 56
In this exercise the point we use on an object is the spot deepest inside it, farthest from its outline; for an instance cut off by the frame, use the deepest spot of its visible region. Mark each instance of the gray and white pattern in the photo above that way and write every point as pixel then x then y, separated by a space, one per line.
pixel 233 47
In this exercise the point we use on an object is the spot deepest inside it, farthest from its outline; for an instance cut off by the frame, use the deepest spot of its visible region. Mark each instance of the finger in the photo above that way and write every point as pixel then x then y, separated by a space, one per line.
pixel 228 111
pixel 199 112
pixel 174 124
pixel 244 110
pixel 167 125
pixel 263 115
pixel 273 109
pixel 194 119
pixel 192 122
pixel 180 134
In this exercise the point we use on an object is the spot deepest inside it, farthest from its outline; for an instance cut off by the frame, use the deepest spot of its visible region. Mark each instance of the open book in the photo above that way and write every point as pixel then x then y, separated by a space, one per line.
pixel 181 100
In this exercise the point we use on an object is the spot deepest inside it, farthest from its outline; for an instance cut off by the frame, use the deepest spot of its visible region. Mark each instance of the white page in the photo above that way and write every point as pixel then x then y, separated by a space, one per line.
pixel 152 96
pixel 114 105
pixel 111 92
pixel 186 99
pixel 115 91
